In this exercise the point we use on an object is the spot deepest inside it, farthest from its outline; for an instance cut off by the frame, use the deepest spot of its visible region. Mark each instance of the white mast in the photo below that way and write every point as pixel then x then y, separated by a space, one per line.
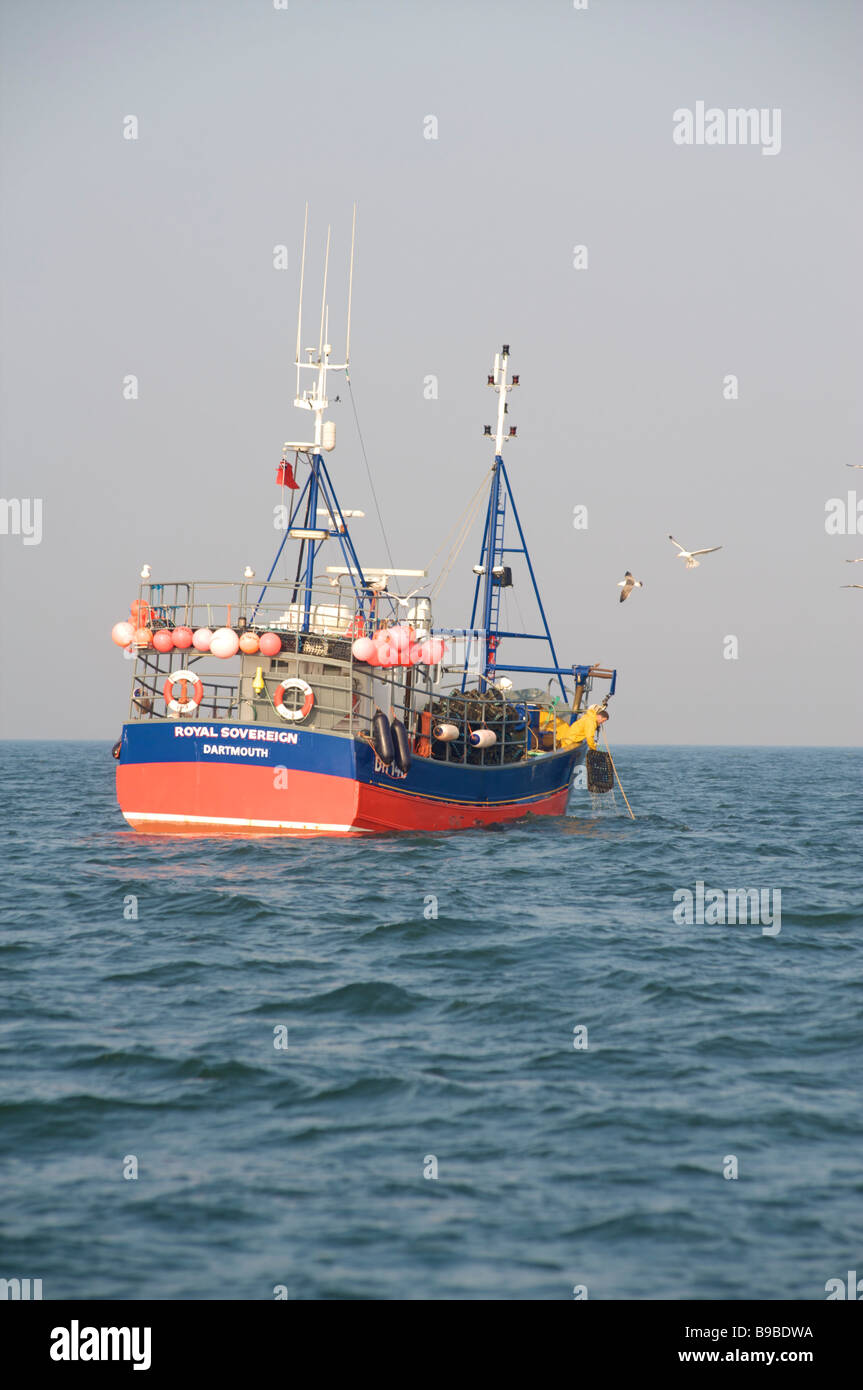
pixel 314 397
pixel 498 380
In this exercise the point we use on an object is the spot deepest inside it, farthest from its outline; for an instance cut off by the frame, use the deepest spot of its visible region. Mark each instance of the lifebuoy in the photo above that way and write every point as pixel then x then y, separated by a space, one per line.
pixel 296 715
pixel 184 705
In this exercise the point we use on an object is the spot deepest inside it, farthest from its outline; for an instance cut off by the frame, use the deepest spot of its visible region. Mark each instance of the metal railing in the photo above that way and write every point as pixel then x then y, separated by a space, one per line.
pixel 316 629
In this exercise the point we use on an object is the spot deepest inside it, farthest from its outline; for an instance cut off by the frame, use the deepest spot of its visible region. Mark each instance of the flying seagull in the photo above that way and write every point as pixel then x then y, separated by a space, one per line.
pixel 851 586
pixel 854 465
pixel 689 555
pixel 405 599
pixel 858 561
pixel 627 584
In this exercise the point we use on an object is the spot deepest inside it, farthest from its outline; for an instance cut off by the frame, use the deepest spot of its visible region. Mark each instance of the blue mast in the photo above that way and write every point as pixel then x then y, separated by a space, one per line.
pixel 492 572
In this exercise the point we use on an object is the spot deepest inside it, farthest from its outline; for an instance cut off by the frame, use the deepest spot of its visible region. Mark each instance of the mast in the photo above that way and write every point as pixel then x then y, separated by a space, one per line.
pixel 492 572
pixel 318 492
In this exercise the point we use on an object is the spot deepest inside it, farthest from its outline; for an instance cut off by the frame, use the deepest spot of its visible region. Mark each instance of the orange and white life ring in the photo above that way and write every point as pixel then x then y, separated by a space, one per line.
pixel 296 715
pixel 184 705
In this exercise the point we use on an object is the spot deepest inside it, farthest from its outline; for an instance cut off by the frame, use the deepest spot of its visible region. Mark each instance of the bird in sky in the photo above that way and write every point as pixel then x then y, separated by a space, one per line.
pixel 145 572
pixel 851 586
pixel 404 599
pixel 858 561
pixel 854 465
pixel 627 584
pixel 689 555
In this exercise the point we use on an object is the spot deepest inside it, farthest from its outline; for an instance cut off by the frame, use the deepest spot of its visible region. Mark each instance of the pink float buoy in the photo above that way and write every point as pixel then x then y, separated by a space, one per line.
pixel 122 634
pixel 249 643
pixel 400 637
pixel 225 643
pixel 163 640
pixel 270 644
pixel 362 649
pixel 183 638
pixel 436 648
pixel 415 654
pixel 201 639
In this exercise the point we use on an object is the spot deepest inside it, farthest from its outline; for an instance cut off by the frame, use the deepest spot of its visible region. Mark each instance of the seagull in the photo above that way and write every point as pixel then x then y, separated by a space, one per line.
pixel 248 572
pixel 689 555
pixel 854 465
pixel 145 572
pixel 851 586
pixel 858 561
pixel 405 599
pixel 627 584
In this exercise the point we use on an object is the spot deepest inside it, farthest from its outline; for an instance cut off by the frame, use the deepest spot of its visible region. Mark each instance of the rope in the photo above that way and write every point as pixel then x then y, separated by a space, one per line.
pixel 460 519
pixel 369 472
pixel 614 770
pixel 464 525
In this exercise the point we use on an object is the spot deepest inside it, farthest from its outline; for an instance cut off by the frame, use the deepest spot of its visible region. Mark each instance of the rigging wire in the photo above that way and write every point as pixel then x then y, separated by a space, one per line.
pixel 368 470
pixel 465 525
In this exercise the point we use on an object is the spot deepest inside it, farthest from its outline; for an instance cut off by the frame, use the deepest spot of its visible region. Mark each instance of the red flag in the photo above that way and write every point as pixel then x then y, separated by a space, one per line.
pixel 285 476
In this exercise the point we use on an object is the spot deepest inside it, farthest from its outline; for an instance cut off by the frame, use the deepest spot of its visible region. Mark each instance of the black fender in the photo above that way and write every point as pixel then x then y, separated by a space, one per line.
pixel 382 738
pixel 402 745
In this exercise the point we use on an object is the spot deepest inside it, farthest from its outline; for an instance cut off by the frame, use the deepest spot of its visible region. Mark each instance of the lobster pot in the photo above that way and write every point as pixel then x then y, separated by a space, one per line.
pixel 600 773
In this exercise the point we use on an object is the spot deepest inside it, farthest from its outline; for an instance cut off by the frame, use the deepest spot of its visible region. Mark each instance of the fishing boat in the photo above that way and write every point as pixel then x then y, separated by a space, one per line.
pixel 329 703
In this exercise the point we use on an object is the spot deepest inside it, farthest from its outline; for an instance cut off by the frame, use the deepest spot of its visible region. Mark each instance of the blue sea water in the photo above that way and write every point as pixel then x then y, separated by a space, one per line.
pixel 412 1035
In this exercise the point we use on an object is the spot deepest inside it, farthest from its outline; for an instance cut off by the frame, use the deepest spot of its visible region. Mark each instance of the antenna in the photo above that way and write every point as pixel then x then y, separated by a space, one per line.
pixel 324 295
pixel 314 397
pixel 351 286
pixel 300 308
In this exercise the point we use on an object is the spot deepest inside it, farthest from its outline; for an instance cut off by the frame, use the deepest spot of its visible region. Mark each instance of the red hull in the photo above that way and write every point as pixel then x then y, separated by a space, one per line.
pixel 243 800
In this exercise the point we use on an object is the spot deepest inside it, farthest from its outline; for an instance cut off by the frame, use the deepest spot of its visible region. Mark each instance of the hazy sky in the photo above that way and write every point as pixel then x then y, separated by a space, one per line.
pixel 154 257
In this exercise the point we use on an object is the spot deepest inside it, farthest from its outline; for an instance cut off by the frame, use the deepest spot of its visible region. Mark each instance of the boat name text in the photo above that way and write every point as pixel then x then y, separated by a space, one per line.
pixel 208 731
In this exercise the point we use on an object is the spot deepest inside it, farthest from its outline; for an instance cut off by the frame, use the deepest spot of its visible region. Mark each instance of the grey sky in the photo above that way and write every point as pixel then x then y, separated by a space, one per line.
pixel 155 257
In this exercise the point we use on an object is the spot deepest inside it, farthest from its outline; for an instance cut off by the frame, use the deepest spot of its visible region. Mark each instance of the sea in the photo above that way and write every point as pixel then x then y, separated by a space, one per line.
pixel 536 1062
